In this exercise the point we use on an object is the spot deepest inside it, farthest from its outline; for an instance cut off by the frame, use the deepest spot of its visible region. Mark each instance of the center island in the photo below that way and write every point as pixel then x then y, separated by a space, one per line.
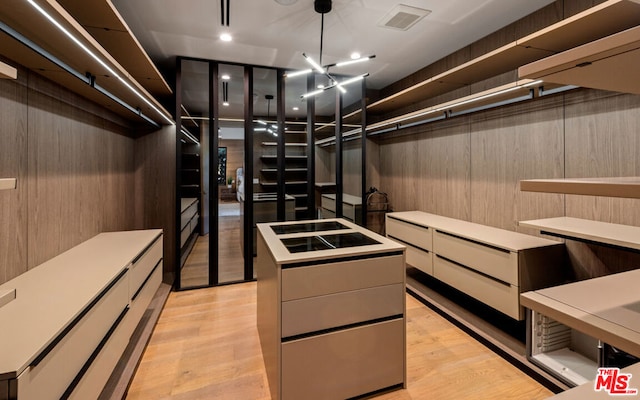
pixel 331 309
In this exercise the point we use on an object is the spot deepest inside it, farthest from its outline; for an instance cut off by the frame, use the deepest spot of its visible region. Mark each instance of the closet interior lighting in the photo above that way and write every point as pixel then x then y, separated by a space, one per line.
pixel 189 136
pixel 97 59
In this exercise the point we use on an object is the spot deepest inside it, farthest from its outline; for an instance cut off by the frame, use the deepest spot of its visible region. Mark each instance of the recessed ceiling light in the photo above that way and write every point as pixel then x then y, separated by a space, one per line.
pixel 226 77
pixel 225 37
pixel 355 55
pixel 296 108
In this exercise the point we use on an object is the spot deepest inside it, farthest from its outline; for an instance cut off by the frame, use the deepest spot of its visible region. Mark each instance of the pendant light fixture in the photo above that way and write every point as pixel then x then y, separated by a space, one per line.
pixel 323 7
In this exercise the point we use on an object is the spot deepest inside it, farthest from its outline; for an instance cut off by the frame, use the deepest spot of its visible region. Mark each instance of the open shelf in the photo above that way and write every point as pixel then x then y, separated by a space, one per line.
pixel 286 144
pixel 594 23
pixel 624 236
pixel 7 71
pixel 628 187
pixel 55 56
pixel 610 63
pixel 568 364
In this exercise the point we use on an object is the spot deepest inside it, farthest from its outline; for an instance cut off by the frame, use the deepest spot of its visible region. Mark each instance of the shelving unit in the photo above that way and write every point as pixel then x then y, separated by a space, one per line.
pixel 295 170
pixel 190 174
pixel 587 316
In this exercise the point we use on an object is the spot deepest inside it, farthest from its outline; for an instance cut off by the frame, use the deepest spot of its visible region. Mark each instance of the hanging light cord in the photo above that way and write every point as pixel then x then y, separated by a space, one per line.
pixel 321 35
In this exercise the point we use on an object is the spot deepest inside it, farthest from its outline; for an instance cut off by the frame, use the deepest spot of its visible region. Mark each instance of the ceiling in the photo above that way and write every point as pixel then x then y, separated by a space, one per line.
pixel 268 33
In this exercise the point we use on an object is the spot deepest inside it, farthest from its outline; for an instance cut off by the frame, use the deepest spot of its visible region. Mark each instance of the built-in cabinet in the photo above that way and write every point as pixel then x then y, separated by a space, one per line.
pixel 351 207
pixel 72 317
pixel 489 264
pixel 575 328
pixel 189 226
pixel 295 169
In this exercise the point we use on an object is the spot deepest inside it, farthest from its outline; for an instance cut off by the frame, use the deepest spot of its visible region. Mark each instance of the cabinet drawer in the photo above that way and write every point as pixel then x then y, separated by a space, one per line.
pixel 314 314
pixel 344 364
pixel 498 263
pixel 501 296
pixel 54 373
pixel 186 216
pixel 349 212
pixel 420 259
pixel 144 265
pixel 418 236
pixel 328 203
pixel 322 279
pixel 327 213
pixel 184 235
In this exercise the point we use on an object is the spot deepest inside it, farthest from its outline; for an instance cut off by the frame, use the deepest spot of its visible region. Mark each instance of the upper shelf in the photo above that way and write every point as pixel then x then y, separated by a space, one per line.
pixel 605 19
pixel 67 61
pixel 7 71
pixel 610 63
pixel 628 187
pixel 105 24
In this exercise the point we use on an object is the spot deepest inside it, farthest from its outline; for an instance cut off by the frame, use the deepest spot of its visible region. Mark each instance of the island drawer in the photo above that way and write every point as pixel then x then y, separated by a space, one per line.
pixel 315 314
pixel 322 279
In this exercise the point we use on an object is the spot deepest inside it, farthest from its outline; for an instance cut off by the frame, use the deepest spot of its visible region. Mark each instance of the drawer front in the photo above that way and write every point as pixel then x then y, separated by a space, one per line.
pixel 417 236
pixel 139 305
pixel 323 279
pixel 420 259
pixel 314 314
pixel 498 295
pixel 54 373
pixel 327 213
pixel 186 216
pixel 143 267
pixel 349 212
pixel 498 263
pixel 184 235
pixel 344 364
pixel 329 204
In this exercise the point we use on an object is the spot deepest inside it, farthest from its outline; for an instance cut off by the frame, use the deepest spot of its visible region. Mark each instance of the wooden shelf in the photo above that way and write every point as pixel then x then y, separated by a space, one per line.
pixel 266 183
pixel 610 63
pixel 29 23
pixel 286 144
pixel 622 236
pixel 594 23
pixel 286 157
pixel 7 183
pixel 273 170
pixel 628 187
pixel 105 24
pixel 7 71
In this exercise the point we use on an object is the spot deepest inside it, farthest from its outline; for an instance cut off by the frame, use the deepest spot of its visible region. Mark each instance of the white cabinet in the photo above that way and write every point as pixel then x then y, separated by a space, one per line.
pixel 73 315
pixel 492 265
pixel 351 207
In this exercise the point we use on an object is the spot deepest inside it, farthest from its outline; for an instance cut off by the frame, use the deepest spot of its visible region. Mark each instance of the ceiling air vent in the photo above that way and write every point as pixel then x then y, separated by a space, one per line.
pixel 403 17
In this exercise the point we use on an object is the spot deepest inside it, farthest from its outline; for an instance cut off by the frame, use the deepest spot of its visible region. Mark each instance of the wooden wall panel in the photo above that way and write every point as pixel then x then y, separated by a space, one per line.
pixel 155 165
pixel 352 168
pixel 510 144
pixel 429 171
pixel 80 174
pixel 13 164
pixel 603 139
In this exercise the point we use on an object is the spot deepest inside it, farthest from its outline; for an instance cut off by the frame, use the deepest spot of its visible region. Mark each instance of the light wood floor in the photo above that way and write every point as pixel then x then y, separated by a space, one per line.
pixel 206 346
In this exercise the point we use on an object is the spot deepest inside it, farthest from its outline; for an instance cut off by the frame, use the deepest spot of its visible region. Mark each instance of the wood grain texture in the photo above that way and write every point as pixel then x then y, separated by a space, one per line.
pixel 206 345
pixel 155 197
pixel 510 144
pixel 429 171
pixel 80 174
pixel 13 164
pixel 602 140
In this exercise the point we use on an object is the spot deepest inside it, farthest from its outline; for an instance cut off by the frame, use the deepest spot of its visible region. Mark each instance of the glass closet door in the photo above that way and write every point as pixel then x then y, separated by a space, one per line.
pixel 192 146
